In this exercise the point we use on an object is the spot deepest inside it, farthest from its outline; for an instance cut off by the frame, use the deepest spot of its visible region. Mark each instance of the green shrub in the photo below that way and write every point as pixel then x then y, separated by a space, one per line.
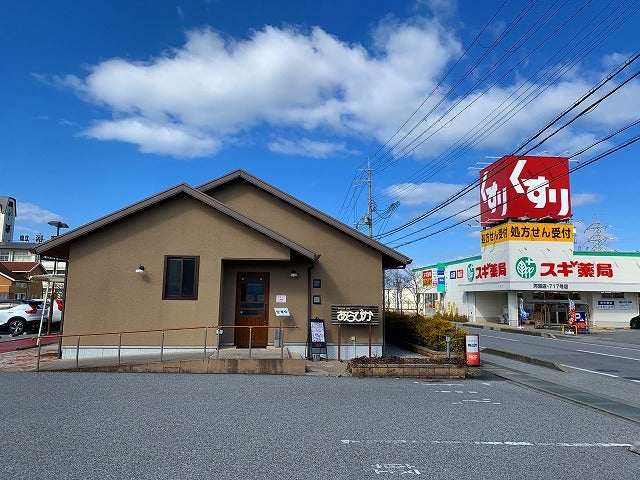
pixel 429 332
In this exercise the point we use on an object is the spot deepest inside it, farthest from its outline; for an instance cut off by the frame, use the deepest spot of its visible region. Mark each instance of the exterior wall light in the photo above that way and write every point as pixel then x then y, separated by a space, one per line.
pixel 293 274
pixel 140 269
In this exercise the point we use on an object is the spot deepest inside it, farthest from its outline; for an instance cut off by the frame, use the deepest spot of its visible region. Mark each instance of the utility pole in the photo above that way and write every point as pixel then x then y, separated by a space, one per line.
pixel 371 206
pixel 369 200
pixel 368 218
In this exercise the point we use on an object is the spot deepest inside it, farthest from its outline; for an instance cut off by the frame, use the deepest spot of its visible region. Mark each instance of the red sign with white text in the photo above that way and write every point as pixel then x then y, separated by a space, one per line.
pixel 525 188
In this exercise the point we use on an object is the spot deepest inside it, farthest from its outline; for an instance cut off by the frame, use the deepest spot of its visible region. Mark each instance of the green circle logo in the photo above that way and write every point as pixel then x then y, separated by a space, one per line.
pixel 526 267
pixel 471 272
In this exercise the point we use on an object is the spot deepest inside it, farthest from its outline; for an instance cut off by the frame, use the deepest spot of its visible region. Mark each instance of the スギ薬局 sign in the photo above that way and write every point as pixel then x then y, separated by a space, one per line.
pixel 525 187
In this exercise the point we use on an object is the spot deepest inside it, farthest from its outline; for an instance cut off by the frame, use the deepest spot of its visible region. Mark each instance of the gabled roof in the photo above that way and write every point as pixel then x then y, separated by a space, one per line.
pixel 58 247
pixel 22 267
pixel 392 258
pixel 13 276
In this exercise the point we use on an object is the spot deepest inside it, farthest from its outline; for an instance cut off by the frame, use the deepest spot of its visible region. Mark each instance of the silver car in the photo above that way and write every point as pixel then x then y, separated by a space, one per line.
pixel 18 316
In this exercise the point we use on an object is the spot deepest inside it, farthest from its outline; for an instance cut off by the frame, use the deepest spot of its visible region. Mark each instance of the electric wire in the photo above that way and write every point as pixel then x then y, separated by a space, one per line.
pixel 595 39
pixel 580 166
pixel 444 162
pixel 464 54
pixel 474 184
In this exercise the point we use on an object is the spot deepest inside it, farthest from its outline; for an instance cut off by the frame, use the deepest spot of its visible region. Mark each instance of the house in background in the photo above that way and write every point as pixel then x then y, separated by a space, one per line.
pixel 234 252
pixel 21 251
pixel 15 280
pixel 18 252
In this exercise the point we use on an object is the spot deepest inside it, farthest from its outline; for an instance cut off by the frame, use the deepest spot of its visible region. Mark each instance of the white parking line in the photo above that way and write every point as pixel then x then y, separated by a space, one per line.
pixel 609 355
pixel 500 338
pixel 432 384
pixel 591 371
pixel 598 345
pixel 499 443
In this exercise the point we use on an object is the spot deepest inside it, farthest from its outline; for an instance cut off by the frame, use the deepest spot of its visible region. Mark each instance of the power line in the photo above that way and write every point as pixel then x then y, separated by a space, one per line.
pixel 474 184
pixel 475 40
pixel 582 165
pixel 481 135
pixel 595 36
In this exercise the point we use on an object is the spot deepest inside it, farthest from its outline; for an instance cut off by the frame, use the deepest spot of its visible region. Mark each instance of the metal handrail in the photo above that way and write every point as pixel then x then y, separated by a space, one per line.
pixel 219 331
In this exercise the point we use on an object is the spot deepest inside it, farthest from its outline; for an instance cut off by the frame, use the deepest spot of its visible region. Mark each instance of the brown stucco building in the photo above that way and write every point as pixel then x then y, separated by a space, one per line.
pixel 233 252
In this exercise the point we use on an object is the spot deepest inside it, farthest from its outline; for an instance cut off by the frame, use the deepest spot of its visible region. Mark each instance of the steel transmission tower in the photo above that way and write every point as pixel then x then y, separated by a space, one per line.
pixel 598 238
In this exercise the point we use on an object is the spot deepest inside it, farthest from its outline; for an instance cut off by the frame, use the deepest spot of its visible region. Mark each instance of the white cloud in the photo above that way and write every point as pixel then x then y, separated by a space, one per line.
pixel 214 88
pixel 581 199
pixel 194 99
pixel 30 213
pixel 161 138
pixel 428 195
pixel 308 148
pixel 424 193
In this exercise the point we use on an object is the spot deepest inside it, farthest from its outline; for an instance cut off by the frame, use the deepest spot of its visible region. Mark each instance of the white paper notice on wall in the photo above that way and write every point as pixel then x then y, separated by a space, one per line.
pixel 282 312
pixel 281 299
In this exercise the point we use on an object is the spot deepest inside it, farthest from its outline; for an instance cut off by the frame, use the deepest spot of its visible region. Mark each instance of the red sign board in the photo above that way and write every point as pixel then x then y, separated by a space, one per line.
pixel 525 188
pixel 473 349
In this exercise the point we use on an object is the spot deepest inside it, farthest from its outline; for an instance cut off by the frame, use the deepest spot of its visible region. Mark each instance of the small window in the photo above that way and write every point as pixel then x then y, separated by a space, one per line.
pixel 317 283
pixel 181 278
pixel 317 299
pixel 23 256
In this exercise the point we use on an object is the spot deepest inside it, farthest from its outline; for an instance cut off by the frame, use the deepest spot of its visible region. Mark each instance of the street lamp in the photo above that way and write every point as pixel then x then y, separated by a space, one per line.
pixel 58 224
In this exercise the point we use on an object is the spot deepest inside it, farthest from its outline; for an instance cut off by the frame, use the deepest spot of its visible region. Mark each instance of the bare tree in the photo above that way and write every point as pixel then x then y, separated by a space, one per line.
pixel 395 282
pixel 413 285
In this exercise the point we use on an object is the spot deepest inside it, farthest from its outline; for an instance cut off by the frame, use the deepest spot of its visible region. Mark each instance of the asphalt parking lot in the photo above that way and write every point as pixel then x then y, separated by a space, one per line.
pixel 96 425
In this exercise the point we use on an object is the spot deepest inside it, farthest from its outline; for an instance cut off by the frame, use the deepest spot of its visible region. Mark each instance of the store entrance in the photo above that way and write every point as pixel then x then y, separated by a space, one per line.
pixel 545 309
pixel 252 309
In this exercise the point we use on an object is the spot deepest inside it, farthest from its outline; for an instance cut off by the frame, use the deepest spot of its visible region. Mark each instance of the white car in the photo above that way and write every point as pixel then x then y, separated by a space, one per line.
pixel 18 316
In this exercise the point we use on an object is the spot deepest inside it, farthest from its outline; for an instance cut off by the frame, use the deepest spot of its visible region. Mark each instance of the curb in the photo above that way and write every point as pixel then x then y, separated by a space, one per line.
pixel 524 359
pixel 506 328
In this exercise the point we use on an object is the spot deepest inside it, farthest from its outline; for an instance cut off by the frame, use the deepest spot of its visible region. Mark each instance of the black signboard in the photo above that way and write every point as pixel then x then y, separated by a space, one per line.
pixel 317 339
pixel 354 314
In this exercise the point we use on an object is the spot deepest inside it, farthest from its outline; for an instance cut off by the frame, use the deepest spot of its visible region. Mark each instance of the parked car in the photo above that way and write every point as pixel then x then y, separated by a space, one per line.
pixel 19 316
pixel 635 322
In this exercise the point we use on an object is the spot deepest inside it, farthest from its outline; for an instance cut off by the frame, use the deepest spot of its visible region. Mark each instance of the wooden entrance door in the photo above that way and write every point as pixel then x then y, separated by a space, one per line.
pixel 252 308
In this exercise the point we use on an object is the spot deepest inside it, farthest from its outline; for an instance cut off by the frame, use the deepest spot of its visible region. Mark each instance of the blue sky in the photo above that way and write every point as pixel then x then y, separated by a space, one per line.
pixel 108 102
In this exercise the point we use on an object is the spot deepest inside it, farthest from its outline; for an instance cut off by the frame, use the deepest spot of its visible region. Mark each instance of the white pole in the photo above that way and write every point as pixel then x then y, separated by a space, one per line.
pixel 44 304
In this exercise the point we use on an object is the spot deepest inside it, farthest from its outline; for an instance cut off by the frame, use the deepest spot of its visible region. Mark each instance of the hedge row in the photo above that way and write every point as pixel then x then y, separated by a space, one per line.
pixel 429 332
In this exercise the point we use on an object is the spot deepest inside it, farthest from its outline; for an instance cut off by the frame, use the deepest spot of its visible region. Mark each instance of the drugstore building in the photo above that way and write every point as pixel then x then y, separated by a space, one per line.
pixel 528 271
